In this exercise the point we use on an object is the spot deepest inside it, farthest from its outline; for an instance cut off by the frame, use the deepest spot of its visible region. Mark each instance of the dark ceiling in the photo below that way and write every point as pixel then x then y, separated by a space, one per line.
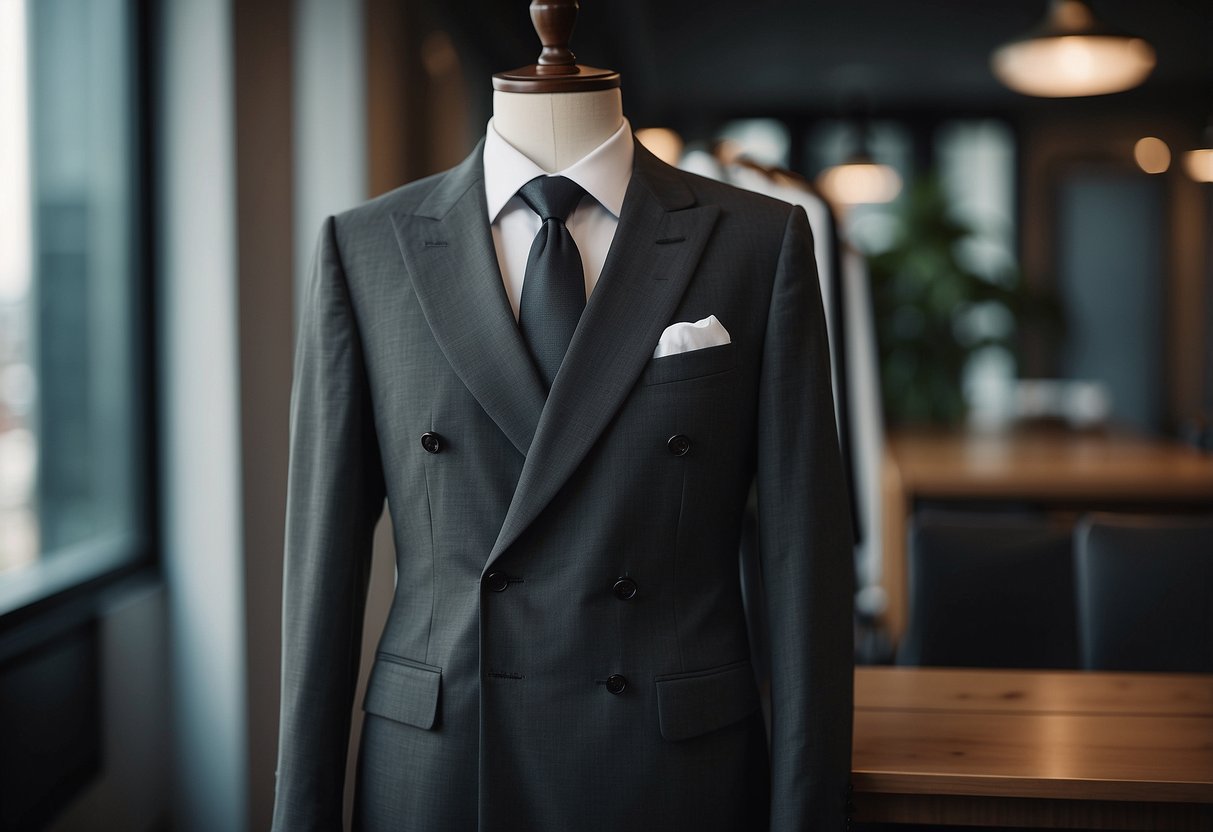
pixel 680 58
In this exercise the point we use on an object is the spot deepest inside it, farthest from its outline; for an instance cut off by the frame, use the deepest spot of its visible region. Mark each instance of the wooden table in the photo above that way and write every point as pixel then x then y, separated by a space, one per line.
pixel 1056 467
pixel 1033 748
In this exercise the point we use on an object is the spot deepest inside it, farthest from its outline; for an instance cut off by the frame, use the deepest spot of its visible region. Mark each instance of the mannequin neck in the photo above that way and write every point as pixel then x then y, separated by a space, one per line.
pixel 554 130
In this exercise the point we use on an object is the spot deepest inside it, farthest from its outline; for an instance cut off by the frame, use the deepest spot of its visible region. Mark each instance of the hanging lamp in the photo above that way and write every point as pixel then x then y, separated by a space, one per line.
pixel 1198 163
pixel 1073 54
pixel 860 179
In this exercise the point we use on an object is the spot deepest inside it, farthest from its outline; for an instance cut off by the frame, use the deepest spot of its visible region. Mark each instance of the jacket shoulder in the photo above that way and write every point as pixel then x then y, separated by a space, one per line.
pixel 756 209
pixel 401 199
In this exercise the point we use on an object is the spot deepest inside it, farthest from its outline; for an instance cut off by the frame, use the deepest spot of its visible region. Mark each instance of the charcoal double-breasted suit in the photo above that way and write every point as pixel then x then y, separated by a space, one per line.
pixel 567 645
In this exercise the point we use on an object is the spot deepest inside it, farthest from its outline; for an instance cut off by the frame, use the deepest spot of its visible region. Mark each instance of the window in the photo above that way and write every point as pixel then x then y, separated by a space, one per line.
pixel 976 161
pixel 942 303
pixel 73 426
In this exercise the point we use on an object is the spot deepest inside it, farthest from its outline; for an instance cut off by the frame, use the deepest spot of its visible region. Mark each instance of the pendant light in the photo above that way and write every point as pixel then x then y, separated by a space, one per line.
pixel 1072 54
pixel 860 179
pixel 1199 163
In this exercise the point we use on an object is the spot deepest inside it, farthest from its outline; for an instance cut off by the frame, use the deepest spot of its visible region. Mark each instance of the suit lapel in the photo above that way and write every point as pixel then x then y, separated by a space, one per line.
pixel 657 244
pixel 448 250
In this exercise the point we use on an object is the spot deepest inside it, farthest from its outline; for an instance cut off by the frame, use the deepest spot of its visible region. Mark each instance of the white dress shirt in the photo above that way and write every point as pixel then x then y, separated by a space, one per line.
pixel 603 173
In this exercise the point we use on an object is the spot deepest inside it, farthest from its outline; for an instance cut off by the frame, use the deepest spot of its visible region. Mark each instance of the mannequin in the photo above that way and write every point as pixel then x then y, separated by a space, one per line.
pixel 556 129
pixel 567 646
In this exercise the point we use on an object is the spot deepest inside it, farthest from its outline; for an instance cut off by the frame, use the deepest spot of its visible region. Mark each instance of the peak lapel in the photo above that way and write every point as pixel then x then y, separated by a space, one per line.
pixel 448 249
pixel 657 244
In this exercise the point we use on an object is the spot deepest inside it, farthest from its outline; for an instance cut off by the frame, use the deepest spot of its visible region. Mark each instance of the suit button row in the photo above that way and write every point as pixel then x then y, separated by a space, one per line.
pixel 624 588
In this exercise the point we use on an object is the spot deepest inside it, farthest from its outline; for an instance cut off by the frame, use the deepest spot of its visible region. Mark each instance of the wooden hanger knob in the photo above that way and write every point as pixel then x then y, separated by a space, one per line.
pixel 554 21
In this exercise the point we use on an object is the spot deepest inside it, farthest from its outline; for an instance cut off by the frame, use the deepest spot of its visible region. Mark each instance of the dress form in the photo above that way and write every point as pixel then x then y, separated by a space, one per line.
pixel 555 129
pixel 556 111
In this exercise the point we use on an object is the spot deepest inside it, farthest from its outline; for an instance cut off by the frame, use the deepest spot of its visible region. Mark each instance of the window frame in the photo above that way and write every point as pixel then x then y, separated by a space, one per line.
pixel 76 580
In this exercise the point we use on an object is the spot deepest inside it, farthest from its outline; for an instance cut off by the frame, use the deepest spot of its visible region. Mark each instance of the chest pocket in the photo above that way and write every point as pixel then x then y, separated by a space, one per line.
pixel 690 364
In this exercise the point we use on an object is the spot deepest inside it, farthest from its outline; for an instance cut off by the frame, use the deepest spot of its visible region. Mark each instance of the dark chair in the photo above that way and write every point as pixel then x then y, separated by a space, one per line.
pixel 1145 592
pixel 990 590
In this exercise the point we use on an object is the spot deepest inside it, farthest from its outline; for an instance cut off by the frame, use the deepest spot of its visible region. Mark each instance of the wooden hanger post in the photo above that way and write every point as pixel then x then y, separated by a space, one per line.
pixel 557 69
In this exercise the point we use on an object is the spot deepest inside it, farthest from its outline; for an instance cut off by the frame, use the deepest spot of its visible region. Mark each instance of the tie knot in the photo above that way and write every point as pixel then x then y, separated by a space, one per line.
pixel 551 197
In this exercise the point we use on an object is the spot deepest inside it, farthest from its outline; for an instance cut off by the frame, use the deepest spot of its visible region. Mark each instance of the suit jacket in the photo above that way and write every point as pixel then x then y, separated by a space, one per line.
pixel 567 645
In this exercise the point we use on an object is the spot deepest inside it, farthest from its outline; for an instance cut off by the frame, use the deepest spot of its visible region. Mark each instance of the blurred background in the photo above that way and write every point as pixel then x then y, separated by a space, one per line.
pixel 1014 220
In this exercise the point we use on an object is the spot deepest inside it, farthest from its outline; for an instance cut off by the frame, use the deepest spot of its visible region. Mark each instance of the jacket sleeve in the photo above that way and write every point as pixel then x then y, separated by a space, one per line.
pixel 335 496
pixel 806 549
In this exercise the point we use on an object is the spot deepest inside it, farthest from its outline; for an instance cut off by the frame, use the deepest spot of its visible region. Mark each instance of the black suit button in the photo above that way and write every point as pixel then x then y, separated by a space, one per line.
pixel 496 581
pixel 432 442
pixel 678 444
pixel 624 589
pixel 616 683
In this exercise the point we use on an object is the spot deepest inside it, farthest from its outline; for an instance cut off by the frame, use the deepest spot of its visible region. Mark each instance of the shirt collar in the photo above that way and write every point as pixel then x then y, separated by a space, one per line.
pixel 603 172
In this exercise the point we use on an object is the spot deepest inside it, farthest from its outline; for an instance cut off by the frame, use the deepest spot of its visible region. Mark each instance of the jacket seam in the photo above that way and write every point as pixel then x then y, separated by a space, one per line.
pixel 682 501
pixel 331 222
pixel 783 252
pixel 353 649
pixel 429 508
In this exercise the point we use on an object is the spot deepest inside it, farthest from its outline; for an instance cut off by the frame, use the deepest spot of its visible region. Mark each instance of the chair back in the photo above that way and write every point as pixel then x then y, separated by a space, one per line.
pixel 1145 592
pixel 990 590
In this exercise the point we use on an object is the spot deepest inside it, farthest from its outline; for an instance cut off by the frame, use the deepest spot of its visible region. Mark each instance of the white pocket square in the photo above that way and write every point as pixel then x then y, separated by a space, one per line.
pixel 685 336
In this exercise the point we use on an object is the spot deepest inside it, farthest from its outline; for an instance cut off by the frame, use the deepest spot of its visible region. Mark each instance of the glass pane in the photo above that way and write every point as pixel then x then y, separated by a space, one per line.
pixel 18 525
pixel 976 163
pixel 70 461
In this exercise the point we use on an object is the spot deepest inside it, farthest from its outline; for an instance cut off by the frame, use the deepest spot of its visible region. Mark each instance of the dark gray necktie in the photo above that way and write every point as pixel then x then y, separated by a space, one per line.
pixel 553 288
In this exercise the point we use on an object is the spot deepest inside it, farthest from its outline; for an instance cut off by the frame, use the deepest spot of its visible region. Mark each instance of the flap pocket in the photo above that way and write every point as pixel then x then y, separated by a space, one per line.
pixel 690 364
pixel 403 690
pixel 689 704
